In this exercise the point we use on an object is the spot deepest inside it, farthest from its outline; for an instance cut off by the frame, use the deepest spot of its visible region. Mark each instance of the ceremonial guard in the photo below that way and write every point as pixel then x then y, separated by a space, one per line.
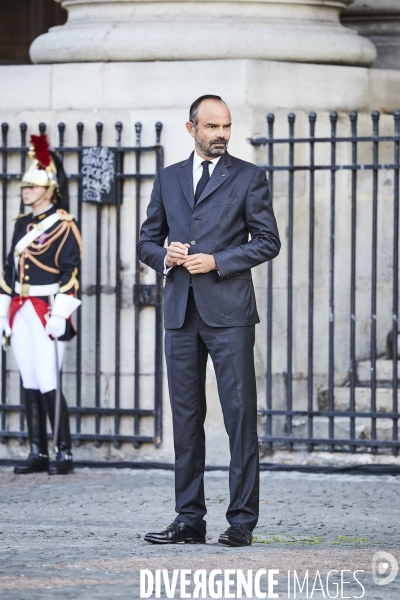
pixel 37 298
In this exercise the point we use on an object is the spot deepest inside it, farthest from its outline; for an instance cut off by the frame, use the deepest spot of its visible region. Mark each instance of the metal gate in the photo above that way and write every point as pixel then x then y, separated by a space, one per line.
pixel 114 394
pixel 332 295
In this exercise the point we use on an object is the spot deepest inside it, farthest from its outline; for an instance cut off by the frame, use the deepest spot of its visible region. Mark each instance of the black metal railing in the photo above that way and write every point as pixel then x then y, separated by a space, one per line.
pixel 90 218
pixel 320 405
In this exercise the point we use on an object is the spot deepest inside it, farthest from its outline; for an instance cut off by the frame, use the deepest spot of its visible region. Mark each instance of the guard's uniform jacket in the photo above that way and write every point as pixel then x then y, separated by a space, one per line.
pixel 53 260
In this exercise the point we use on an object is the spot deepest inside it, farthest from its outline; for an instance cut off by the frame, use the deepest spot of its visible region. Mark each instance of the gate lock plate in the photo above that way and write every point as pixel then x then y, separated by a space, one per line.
pixel 145 295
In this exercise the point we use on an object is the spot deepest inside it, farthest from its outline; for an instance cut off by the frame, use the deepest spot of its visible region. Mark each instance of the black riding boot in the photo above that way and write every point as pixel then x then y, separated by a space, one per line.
pixel 38 459
pixel 63 463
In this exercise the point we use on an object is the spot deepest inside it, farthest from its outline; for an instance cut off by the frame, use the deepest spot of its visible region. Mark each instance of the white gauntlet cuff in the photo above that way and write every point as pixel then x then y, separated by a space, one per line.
pixel 5 302
pixel 64 305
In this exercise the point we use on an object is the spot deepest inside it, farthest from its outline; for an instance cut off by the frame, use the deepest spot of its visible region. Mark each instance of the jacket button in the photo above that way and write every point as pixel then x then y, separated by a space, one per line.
pixel 26 266
pixel 26 277
pixel 192 243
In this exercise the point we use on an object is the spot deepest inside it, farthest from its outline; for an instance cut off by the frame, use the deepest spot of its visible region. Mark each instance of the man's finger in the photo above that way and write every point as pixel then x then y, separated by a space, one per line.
pixel 191 260
pixel 179 245
pixel 174 257
pixel 177 249
pixel 180 254
pixel 188 263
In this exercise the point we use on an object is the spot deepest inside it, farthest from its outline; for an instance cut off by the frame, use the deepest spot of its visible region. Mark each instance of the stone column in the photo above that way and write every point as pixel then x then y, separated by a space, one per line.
pixel 378 20
pixel 307 31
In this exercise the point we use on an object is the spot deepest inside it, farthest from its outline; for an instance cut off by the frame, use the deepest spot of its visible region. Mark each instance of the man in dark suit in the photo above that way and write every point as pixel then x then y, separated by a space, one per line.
pixel 216 212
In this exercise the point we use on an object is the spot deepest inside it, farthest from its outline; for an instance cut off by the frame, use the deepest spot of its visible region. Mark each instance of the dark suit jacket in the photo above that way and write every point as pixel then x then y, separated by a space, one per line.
pixel 235 205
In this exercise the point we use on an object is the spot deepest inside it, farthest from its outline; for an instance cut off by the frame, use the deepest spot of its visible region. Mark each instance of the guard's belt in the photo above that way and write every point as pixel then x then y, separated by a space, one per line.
pixel 37 290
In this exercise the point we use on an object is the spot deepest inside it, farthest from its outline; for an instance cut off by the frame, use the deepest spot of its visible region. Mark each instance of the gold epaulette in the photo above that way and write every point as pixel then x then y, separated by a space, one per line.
pixel 64 216
pixel 20 216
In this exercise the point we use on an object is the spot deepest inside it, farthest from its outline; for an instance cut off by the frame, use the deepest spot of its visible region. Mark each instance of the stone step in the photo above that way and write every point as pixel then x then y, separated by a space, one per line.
pixel 384 399
pixel 384 371
pixel 342 428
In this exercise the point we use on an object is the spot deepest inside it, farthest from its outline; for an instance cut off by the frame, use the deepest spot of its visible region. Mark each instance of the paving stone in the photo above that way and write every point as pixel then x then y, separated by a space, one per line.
pixel 81 537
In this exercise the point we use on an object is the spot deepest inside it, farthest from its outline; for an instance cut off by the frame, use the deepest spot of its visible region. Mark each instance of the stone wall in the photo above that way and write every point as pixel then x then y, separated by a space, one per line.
pixel 147 61
pixel 163 91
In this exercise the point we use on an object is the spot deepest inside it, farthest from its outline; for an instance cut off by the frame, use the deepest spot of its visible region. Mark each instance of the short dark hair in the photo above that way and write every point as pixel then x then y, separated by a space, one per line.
pixel 194 109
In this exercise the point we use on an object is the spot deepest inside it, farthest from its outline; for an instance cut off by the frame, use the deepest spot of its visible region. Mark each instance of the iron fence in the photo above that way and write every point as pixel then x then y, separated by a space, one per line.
pixel 143 295
pixel 324 408
pixel 301 178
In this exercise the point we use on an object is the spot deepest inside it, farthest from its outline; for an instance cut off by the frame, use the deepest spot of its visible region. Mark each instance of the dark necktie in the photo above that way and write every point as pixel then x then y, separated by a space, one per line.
pixel 204 179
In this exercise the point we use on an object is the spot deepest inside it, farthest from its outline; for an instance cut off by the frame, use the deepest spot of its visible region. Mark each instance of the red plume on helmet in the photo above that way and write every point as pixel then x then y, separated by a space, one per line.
pixel 41 147
pixel 47 170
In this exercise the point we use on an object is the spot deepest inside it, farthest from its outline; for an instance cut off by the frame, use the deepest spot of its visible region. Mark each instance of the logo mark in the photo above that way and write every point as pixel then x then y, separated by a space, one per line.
pixel 381 563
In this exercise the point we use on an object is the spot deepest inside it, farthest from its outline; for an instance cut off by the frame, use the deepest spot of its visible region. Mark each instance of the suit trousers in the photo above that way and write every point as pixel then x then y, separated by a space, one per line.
pixel 232 352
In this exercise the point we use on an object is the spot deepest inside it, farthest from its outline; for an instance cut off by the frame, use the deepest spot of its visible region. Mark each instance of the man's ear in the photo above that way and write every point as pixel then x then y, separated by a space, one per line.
pixel 191 128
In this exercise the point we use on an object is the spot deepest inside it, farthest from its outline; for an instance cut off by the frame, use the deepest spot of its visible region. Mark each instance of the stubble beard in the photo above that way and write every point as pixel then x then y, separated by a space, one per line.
pixel 208 148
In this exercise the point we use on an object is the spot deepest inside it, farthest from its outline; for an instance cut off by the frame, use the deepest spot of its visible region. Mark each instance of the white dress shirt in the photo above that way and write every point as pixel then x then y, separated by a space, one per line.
pixel 198 168
pixel 197 173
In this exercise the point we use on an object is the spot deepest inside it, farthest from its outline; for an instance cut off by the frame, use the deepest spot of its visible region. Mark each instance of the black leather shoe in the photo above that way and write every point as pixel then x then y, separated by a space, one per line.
pixel 36 463
pixel 176 533
pixel 236 535
pixel 63 464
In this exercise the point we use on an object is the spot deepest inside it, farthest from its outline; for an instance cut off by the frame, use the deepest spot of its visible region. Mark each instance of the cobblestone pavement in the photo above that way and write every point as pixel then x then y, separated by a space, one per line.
pixel 81 537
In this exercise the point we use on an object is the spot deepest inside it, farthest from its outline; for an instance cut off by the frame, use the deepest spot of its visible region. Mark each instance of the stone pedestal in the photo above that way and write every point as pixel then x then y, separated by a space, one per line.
pixel 146 30
pixel 378 20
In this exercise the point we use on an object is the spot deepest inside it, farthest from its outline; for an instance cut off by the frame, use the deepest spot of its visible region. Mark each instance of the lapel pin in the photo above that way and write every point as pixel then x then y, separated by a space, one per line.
pixel 223 174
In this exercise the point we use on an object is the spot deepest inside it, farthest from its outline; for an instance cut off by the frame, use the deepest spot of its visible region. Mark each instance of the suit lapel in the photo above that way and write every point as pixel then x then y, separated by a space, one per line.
pixel 219 176
pixel 185 175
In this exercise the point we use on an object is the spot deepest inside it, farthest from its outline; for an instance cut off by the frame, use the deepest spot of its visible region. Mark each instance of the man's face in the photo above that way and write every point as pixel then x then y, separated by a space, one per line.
pixel 32 193
pixel 213 130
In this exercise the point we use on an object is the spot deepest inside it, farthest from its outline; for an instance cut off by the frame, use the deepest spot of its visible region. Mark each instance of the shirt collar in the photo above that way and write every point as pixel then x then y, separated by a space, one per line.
pixel 43 211
pixel 197 160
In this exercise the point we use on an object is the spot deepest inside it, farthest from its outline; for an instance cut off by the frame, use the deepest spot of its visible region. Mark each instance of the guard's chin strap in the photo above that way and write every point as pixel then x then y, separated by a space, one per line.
pixel 39 200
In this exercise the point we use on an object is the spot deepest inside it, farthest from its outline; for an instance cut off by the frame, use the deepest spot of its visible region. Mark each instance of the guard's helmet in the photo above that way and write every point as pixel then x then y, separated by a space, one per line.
pixel 46 170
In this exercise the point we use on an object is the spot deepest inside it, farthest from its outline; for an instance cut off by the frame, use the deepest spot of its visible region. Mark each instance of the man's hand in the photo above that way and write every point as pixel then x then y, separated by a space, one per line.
pixel 176 254
pixel 200 263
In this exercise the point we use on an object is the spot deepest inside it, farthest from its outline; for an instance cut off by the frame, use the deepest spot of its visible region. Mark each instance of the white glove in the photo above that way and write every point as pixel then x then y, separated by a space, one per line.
pixel 3 324
pixel 56 326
